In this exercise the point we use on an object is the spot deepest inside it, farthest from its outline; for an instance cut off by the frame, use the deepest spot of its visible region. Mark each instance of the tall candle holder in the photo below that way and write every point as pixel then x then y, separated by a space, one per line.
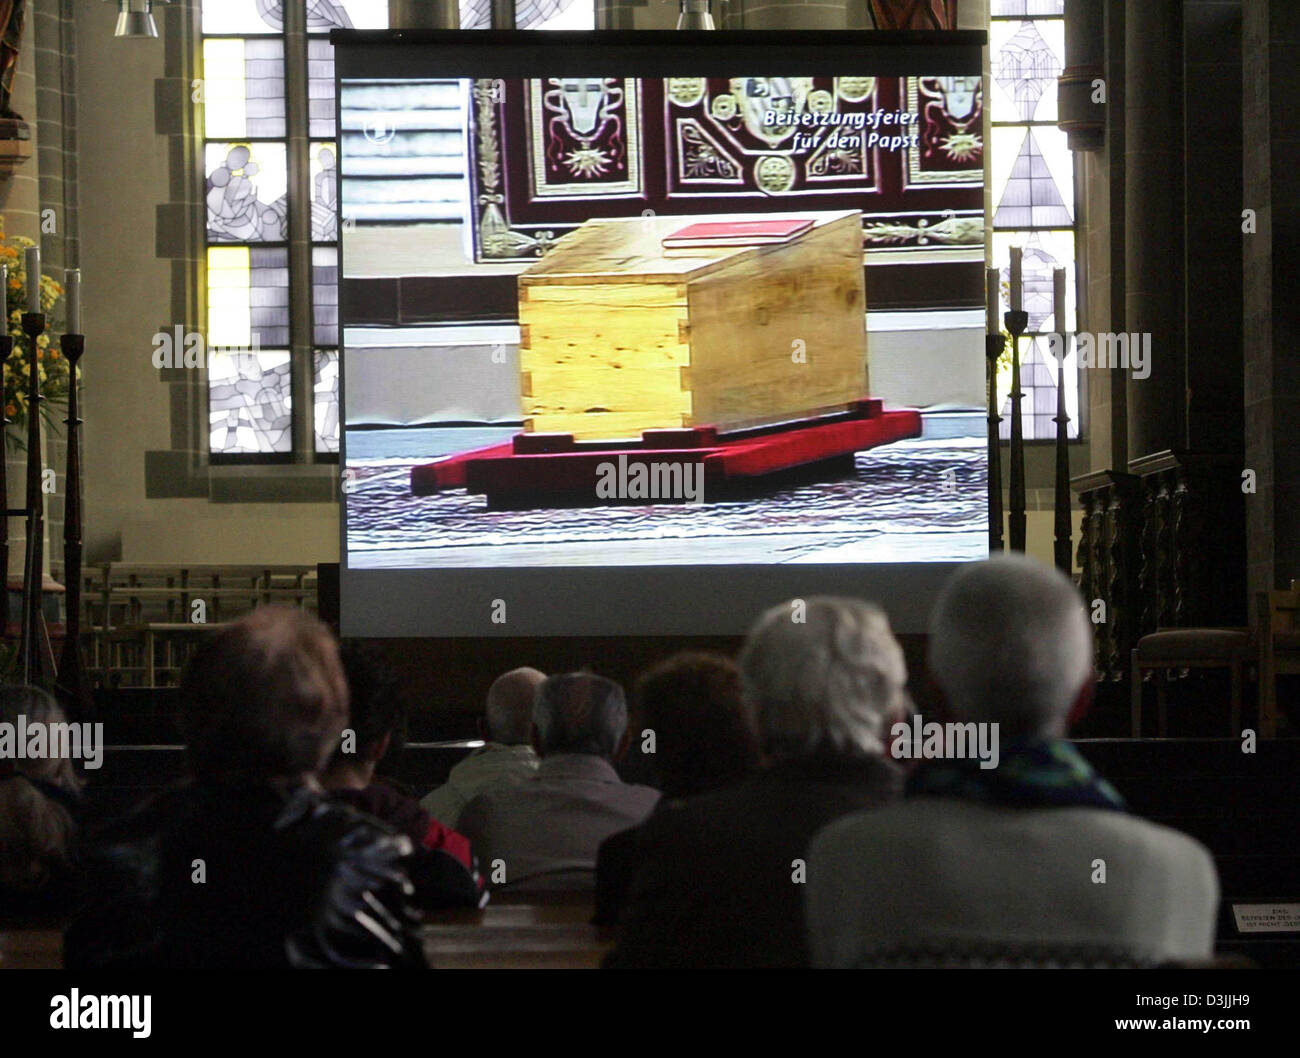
pixel 33 648
pixel 73 676
pixel 1064 527
pixel 1017 322
pixel 993 346
pixel 6 351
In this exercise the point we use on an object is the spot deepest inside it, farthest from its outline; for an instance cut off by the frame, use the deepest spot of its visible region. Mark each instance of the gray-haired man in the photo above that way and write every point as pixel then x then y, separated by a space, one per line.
pixel 507 756
pixel 543 833
pixel 1034 861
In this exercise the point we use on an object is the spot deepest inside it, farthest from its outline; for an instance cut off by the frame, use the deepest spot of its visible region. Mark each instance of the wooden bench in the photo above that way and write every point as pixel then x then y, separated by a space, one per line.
pixel 31 949
pixel 532 931
pixel 552 933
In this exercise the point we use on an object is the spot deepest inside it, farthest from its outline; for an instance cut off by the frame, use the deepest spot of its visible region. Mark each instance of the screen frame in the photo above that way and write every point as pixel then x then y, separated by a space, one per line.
pixel 667 600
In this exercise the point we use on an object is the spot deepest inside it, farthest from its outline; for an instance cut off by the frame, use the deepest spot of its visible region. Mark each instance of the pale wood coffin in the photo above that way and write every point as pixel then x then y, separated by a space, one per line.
pixel 620 336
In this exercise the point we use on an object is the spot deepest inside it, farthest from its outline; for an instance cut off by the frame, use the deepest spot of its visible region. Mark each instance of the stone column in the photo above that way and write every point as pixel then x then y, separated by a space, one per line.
pixel 1212 175
pixel 1271 258
pixel 1153 197
pixel 423 14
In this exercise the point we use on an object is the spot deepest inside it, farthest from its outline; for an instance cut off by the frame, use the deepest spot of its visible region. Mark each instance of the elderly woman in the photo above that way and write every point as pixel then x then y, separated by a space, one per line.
pixel 249 865
pixel 721 877
pixel 38 807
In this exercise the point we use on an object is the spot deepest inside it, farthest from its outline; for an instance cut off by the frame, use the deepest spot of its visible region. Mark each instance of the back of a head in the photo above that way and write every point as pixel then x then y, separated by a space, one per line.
pixel 823 674
pixel 38 707
pixel 703 738
pixel 1010 643
pixel 264 699
pixel 36 831
pixel 579 713
pixel 376 709
pixel 509 707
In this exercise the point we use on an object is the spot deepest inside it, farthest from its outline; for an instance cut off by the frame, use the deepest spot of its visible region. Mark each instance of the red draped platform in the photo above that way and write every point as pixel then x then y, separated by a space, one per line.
pixel 528 469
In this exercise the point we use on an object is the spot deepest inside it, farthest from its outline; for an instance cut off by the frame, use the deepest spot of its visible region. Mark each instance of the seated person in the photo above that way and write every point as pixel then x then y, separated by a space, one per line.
pixel 442 868
pixel 1034 860
pixel 543 833
pixel 721 874
pixel 508 756
pixel 703 741
pixel 39 805
pixel 248 865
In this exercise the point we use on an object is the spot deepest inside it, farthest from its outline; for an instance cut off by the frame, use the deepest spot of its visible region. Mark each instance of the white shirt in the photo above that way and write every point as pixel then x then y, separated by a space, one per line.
pixel 494 764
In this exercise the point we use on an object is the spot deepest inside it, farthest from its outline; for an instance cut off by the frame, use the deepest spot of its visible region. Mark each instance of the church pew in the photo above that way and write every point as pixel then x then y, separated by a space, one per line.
pixel 31 949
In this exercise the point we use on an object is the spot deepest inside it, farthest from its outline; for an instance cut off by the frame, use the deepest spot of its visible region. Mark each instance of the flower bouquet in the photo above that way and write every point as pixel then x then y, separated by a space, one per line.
pixel 51 366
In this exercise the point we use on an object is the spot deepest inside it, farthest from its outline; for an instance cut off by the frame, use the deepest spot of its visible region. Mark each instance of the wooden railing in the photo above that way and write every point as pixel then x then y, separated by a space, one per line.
pixel 141 623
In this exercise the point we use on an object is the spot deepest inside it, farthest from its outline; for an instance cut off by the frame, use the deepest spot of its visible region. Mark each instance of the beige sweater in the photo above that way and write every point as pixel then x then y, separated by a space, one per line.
pixel 937 872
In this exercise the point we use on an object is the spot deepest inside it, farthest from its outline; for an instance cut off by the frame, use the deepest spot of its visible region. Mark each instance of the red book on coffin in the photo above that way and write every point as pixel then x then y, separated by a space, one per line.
pixel 735 233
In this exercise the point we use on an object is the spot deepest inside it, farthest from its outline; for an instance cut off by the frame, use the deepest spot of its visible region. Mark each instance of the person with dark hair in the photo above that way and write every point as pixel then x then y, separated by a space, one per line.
pixel 40 800
pixel 442 867
pixel 543 833
pixel 248 865
pixel 690 704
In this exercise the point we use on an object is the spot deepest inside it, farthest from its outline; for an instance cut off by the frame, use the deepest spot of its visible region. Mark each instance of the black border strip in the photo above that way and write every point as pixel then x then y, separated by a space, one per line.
pixel 366 54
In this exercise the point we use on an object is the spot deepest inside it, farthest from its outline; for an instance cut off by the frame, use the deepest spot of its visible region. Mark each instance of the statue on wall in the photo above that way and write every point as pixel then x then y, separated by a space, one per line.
pixel 914 14
pixel 12 126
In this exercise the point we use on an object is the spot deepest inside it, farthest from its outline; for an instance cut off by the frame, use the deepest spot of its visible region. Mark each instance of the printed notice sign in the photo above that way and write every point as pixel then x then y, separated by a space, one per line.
pixel 1267 918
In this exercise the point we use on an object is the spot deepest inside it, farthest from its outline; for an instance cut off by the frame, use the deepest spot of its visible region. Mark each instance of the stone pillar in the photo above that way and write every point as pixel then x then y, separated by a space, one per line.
pixel 1212 174
pixel 423 14
pixel 1082 113
pixel 1153 197
pixel 1271 258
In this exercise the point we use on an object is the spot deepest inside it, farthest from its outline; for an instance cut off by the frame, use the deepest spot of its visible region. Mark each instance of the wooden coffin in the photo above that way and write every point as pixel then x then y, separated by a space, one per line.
pixel 618 335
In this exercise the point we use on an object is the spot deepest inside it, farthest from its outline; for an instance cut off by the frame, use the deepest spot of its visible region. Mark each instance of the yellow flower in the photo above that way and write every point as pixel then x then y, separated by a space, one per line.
pixel 15 283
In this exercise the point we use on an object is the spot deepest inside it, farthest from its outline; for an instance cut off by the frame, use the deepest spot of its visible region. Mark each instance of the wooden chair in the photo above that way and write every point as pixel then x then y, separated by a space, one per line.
pixel 1189 648
pixel 1279 649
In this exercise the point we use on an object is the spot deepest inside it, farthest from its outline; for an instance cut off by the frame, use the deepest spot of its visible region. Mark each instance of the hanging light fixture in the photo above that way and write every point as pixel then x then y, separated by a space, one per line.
pixel 135 18
pixel 695 14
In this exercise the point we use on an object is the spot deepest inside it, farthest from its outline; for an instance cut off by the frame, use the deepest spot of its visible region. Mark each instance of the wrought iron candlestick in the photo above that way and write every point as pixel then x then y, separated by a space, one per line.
pixel 1064 555
pixel 73 677
pixel 6 350
pixel 31 646
pixel 1017 322
pixel 993 346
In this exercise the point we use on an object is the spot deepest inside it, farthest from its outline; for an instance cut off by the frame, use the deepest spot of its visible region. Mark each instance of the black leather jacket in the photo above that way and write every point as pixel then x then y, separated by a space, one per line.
pixel 245 877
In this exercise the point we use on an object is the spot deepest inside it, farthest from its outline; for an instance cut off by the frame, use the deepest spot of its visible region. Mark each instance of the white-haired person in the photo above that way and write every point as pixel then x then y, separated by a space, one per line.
pixel 506 757
pixel 1034 861
pixel 721 874
pixel 543 833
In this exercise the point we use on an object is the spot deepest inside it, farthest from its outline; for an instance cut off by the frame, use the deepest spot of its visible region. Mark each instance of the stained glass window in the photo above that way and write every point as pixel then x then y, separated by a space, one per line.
pixel 250 402
pixel 263 177
pixel 1031 180
pixel 325 294
pixel 243 88
pixel 247 185
pixel 325 378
